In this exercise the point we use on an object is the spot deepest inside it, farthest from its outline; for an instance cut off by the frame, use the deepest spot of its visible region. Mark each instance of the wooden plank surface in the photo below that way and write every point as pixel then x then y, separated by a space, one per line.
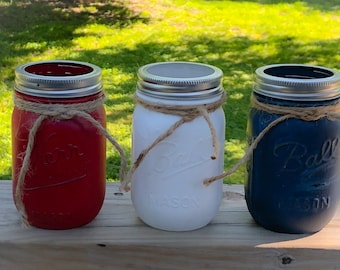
pixel 117 239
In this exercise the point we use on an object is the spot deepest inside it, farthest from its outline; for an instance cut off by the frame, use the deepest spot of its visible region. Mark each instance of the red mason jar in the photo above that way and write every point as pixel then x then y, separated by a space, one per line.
pixel 59 156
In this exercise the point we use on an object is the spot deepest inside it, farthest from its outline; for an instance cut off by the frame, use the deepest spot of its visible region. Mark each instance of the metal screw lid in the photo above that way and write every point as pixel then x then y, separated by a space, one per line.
pixel 174 80
pixel 58 79
pixel 297 82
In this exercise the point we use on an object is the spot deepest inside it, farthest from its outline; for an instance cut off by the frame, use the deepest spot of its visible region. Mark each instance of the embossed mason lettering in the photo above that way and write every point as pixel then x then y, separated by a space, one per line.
pixel 294 155
pixel 173 201
pixel 306 203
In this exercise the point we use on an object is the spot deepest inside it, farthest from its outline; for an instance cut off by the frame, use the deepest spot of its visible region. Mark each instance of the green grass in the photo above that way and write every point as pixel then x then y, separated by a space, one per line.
pixel 237 36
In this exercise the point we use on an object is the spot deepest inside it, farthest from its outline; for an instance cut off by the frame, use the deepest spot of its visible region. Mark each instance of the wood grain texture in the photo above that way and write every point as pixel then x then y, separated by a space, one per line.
pixel 117 239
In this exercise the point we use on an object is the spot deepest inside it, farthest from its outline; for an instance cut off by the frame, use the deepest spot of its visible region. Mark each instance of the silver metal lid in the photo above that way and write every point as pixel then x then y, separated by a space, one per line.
pixel 58 79
pixel 297 82
pixel 174 80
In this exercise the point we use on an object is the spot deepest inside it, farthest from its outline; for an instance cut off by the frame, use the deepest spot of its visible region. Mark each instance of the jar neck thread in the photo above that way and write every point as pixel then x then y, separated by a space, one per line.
pixel 310 113
pixel 58 110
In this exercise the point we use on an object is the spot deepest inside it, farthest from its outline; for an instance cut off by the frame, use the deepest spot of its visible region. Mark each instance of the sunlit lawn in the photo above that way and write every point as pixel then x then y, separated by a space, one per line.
pixel 237 36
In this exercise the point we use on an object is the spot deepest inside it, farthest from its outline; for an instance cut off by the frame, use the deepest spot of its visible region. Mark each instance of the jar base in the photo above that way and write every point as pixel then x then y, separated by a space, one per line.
pixel 178 229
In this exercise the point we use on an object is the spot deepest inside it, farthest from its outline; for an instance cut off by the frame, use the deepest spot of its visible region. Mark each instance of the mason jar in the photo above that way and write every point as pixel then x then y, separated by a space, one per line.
pixel 167 188
pixel 58 154
pixel 294 173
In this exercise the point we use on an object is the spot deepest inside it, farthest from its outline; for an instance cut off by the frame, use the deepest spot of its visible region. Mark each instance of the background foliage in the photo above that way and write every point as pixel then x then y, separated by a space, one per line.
pixel 119 36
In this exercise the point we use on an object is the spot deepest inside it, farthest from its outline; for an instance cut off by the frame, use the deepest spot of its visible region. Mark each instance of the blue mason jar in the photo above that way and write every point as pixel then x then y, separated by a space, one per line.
pixel 293 175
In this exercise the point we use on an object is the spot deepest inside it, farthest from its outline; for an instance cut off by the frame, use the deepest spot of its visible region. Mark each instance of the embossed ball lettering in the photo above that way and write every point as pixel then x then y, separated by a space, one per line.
pixel 170 159
pixel 297 158
pixel 60 153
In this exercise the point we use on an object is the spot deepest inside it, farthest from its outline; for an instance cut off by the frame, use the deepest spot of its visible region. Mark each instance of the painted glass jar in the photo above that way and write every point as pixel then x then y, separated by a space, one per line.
pixel 58 153
pixel 167 188
pixel 294 173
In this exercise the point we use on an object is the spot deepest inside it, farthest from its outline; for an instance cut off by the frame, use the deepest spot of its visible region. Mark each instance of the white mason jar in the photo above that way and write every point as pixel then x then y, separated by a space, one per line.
pixel 167 188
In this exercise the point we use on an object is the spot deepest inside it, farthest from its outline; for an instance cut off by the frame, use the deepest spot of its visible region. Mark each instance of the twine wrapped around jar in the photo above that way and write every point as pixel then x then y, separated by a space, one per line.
pixel 331 112
pixel 187 114
pixel 57 112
